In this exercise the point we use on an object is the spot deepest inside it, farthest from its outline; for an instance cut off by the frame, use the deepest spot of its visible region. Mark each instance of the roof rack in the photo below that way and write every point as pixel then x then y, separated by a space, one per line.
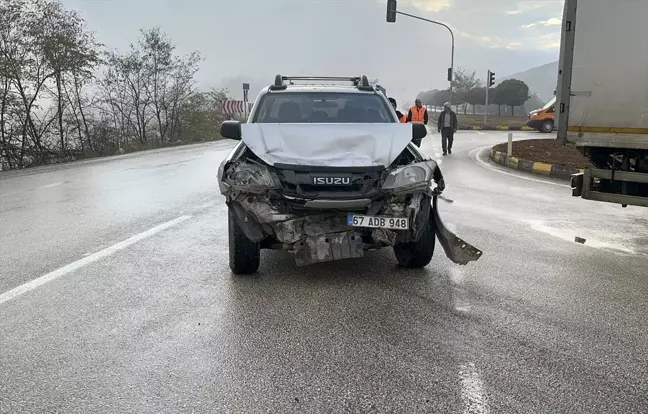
pixel 360 82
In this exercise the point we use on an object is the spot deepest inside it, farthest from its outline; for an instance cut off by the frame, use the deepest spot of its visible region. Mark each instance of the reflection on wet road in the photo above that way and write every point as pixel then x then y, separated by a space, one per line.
pixel 116 296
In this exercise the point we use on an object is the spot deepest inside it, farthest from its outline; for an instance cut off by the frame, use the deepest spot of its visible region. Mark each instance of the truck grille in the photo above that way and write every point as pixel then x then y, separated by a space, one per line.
pixel 301 184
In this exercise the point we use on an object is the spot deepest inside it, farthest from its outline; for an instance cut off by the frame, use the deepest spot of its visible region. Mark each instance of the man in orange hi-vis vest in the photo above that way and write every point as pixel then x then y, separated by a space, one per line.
pixel 418 113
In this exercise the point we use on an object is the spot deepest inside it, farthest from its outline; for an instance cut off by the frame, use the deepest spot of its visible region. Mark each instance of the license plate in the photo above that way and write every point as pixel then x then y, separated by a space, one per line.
pixel 392 223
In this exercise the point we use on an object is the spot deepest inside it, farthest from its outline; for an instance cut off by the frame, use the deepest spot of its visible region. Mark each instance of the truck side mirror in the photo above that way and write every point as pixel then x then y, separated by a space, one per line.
pixel 231 130
pixel 419 131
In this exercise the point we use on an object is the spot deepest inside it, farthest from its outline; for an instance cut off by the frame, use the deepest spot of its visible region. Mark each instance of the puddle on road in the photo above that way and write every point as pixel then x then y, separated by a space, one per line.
pixel 568 234
pixel 525 192
pixel 616 239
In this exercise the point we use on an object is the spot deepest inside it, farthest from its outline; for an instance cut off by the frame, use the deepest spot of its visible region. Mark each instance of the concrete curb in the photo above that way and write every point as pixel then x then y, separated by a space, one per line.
pixel 552 170
pixel 492 127
pixel 495 128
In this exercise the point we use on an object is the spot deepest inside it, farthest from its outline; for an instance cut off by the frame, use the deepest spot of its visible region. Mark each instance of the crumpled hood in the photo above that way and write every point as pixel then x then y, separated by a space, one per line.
pixel 333 145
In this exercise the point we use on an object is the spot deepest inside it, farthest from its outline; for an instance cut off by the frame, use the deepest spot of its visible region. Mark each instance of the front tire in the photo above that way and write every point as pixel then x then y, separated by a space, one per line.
pixel 416 255
pixel 244 254
pixel 547 126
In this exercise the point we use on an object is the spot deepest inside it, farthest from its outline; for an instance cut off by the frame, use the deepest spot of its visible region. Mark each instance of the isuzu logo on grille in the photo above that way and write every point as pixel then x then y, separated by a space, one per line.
pixel 332 180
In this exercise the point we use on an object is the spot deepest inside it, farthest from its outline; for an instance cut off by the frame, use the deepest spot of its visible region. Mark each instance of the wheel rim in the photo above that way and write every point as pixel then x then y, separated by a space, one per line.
pixel 548 127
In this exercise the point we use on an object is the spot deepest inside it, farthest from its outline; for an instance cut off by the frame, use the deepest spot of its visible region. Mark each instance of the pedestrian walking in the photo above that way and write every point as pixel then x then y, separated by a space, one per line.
pixel 447 126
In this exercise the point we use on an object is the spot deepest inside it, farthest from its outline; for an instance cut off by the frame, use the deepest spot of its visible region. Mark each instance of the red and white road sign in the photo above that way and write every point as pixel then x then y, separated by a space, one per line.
pixel 235 107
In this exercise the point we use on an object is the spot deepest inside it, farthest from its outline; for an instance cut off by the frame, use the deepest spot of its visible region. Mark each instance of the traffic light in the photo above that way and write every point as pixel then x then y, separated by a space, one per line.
pixel 491 78
pixel 391 11
pixel 449 74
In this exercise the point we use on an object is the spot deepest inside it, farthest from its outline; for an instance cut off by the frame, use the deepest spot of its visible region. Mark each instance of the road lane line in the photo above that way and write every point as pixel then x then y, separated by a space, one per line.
pixel 460 297
pixel 36 283
pixel 475 155
pixel 51 185
pixel 472 390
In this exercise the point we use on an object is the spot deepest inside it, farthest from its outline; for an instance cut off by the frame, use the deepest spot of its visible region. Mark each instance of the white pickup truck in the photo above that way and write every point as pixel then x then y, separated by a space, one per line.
pixel 603 97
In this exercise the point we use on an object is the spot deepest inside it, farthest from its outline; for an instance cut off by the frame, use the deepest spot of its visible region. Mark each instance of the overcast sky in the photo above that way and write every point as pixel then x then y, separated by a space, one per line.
pixel 253 40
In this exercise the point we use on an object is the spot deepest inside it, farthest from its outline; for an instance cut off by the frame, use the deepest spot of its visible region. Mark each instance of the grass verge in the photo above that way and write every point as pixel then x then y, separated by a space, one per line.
pixel 548 151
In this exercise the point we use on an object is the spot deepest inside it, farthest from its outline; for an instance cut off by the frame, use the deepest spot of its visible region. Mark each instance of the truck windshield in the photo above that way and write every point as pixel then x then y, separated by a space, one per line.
pixel 323 107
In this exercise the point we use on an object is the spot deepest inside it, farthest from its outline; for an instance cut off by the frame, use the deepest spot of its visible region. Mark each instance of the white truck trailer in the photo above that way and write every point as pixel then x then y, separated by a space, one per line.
pixel 603 97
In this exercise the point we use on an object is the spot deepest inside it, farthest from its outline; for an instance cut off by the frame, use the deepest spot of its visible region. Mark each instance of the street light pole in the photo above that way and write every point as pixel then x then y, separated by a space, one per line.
pixel 453 43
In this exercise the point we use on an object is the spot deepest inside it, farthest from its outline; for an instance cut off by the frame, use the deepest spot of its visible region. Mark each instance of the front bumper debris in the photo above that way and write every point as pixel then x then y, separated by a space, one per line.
pixel 328 247
pixel 457 250
pixel 291 231
pixel 316 235
pixel 325 237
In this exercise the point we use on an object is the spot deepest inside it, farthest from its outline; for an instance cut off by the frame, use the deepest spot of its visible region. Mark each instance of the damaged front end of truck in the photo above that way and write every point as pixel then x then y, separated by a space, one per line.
pixel 323 213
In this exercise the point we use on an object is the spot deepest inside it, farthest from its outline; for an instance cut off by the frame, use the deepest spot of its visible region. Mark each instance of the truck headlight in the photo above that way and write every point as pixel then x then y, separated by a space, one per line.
pixel 404 177
pixel 251 177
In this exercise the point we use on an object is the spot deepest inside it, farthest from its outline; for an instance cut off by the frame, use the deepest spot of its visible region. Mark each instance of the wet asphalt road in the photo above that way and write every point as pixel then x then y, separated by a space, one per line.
pixel 156 323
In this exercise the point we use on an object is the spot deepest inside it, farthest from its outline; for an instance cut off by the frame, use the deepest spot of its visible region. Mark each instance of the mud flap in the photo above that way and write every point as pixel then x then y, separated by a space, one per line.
pixel 456 249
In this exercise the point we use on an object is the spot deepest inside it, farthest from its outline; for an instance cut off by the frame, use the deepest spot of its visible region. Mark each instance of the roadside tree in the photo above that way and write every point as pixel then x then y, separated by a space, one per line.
pixel 63 96
pixel 441 97
pixel 464 82
pixel 512 92
pixel 476 97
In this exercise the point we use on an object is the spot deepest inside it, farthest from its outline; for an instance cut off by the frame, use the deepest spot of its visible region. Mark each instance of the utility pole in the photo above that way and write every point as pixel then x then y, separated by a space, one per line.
pixel 391 18
pixel 246 89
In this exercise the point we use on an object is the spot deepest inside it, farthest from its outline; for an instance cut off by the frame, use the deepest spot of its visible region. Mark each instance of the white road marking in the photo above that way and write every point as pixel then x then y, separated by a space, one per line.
pixel 475 155
pixel 36 283
pixel 460 296
pixel 457 276
pixel 472 394
pixel 568 234
pixel 51 185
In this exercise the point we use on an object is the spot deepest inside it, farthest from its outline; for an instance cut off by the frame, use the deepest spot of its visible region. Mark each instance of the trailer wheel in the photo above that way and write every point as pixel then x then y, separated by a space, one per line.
pixel 547 126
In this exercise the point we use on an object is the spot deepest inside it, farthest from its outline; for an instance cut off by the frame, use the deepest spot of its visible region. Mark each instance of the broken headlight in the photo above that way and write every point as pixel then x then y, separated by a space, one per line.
pixel 251 177
pixel 405 176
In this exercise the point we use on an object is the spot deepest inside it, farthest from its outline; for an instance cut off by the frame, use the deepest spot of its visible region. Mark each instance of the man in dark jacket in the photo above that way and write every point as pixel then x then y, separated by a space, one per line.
pixel 447 126
pixel 399 114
